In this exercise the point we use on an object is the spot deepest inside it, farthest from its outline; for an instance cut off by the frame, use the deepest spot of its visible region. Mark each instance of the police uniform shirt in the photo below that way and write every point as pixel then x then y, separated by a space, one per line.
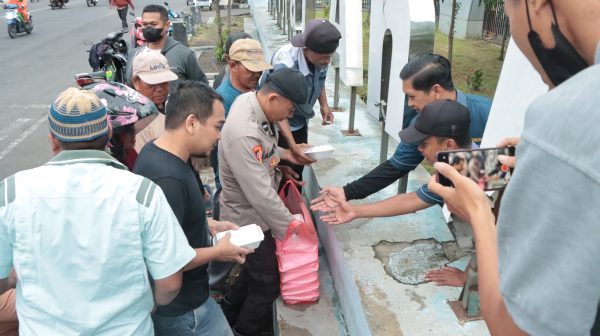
pixel 248 158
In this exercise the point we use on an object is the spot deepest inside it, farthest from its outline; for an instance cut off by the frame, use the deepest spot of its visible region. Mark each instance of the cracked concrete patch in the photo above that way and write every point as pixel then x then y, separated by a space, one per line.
pixel 409 265
pixel 407 262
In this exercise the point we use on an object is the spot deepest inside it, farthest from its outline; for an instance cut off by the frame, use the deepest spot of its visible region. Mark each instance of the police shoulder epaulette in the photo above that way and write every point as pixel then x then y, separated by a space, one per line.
pixel 145 192
pixel 7 191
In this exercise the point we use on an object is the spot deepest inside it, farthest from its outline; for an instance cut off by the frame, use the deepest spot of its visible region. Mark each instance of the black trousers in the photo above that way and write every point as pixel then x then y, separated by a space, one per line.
pixel 300 136
pixel 249 305
pixel 123 16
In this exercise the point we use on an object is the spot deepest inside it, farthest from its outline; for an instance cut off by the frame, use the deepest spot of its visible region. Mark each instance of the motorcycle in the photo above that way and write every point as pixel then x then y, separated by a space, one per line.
pixel 173 16
pixel 110 56
pixel 87 78
pixel 57 3
pixel 91 3
pixel 15 22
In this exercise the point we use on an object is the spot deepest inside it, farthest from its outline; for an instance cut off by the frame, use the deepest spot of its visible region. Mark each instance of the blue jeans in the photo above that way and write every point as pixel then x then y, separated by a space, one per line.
pixel 208 319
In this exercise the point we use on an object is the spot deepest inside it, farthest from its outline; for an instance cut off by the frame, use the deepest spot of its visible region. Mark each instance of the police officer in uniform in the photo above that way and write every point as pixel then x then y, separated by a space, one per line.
pixel 248 160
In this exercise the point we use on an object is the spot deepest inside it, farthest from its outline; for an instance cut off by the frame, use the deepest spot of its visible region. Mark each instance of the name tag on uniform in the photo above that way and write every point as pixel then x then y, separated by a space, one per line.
pixel 271 152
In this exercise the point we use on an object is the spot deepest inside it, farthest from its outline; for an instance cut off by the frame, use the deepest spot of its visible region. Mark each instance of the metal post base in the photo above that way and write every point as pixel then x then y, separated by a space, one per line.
pixel 461 314
pixel 466 308
pixel 351 131
pixel 354 132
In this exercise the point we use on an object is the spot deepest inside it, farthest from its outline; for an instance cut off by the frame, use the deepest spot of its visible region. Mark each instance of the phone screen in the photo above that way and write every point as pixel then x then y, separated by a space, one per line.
pixel 480 165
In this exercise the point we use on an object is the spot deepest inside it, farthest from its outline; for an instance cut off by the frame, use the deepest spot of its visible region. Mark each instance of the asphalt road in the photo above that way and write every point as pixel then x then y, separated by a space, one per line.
pixel 35 68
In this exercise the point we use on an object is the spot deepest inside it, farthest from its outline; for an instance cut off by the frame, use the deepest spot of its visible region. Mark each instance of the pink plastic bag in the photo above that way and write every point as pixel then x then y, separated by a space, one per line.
pixel 297 253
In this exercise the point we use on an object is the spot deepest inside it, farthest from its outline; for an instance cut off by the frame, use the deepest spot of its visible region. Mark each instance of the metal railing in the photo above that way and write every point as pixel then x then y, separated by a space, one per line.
pixel 495 24
pixel 366 4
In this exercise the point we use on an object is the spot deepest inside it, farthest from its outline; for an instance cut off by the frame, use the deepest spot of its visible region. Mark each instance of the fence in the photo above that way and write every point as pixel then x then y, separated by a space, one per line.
pixel 366 4
pixel 495 24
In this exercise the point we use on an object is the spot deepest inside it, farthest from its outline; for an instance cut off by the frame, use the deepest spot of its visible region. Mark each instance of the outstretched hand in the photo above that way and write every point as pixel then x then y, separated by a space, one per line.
pixel 332 202
pixel 447 276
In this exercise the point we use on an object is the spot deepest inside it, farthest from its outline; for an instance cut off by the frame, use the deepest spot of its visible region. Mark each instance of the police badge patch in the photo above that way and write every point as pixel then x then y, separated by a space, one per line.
pixel 258 153
pixel 274 161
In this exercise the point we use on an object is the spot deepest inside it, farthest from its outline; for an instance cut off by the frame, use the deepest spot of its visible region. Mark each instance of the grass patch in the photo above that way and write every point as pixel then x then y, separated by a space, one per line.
pixel 206 35
pixel 469 56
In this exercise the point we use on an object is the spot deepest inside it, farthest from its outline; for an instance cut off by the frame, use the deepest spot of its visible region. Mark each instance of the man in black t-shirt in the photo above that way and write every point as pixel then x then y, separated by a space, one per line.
pixel 194 117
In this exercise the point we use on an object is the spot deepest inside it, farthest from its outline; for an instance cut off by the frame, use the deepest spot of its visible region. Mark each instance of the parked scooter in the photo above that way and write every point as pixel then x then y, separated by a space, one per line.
pixel 91 3
pixel 15 22
pixel 57 3
pixel 136 34
pixel 110 56
pixel 173 16
pixel 87 78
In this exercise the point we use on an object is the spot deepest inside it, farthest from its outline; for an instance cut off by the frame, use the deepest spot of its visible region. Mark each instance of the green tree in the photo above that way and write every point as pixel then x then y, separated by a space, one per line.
pixel 455 9
pixel 228 17
pixel 217 6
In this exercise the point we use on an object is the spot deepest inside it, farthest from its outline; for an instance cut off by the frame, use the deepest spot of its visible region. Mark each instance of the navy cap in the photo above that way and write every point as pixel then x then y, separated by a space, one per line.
pixel 319 36
pixel 440 118
pixel 289 83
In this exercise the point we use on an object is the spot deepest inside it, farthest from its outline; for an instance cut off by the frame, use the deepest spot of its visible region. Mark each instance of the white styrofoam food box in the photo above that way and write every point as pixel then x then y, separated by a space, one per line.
pixel 248 236
pixel 319 152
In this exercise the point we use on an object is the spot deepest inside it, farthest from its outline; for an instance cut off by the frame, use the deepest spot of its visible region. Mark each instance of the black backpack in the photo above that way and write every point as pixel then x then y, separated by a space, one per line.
pixel 95 56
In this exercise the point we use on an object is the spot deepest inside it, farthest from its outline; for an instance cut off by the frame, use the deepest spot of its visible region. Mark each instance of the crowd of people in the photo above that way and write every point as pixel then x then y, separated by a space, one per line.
pixel 94 244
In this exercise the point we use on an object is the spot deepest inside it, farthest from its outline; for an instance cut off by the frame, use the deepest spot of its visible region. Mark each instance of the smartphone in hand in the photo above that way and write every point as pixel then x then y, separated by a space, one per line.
pixel 481 165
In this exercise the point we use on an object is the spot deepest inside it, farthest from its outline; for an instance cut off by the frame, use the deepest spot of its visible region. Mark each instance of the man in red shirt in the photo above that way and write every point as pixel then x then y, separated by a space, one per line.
pixel 22 9
pixel 122 9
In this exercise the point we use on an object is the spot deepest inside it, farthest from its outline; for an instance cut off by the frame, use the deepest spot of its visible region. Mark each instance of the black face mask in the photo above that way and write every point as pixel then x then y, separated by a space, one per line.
pixel 560 63
pixel 152 34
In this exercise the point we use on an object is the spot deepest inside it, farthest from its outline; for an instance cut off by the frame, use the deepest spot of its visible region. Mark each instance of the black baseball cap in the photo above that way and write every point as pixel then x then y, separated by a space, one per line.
pixel 288 83
pixel 440 118
pixel 319 35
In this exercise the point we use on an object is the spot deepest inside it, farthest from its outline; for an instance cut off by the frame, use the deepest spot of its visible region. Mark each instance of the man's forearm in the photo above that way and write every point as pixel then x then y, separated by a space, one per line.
pixel 394 206
pixel 323 98
pixel 164 297
pixel 203 256
pixel 165 290
pixel 377 179
pixel 493 308
pixel 286 132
